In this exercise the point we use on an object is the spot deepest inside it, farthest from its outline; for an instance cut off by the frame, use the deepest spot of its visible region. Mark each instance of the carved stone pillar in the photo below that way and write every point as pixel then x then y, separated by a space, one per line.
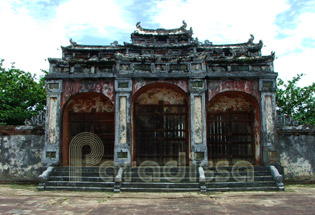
pixel 198 144
pixel 122 155
pixel 267 88
pixel 53 115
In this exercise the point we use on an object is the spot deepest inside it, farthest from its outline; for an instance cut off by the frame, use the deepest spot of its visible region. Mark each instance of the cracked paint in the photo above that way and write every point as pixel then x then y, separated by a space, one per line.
pixel 123 120
pixel 301 168
pixel 153 96
pixel 52 136
pixel 198 125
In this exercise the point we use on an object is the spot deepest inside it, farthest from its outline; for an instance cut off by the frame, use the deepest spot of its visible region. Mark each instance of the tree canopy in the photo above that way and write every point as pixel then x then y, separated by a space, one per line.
pixel 296 102
pixel 21 95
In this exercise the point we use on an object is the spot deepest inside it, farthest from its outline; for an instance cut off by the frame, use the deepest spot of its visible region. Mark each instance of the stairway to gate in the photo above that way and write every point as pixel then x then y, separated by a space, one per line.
pixel 79 179
pixel 162 179
pixel 158 179
pixel 258 178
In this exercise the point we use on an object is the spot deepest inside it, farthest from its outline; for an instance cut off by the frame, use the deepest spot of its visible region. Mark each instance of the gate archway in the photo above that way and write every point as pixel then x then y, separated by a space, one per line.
pixel 88 113
pixel 160 125
pixel 233 130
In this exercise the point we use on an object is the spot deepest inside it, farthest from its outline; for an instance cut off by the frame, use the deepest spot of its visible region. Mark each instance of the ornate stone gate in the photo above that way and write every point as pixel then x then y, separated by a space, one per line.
pixel 203 127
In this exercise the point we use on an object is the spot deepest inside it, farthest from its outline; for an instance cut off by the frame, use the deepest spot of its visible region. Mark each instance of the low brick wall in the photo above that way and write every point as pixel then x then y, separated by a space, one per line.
pixel 21 153
pixel 297 152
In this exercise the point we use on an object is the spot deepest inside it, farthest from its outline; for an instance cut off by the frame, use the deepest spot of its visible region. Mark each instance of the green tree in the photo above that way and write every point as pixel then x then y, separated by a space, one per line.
pixel 21 95
pixel 296 102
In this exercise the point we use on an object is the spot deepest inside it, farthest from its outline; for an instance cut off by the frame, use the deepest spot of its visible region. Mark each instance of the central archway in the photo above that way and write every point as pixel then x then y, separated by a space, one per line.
pixel 160 120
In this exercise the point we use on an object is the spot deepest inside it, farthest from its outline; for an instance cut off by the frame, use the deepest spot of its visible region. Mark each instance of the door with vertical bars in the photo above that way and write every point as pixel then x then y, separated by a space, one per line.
pixel 101 124
pixel 230 136
pixel 161 133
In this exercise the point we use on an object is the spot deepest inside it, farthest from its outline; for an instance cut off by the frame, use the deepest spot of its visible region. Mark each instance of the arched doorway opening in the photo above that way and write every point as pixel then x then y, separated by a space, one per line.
pixel 233 130
pixel 160 121
pixel 87 117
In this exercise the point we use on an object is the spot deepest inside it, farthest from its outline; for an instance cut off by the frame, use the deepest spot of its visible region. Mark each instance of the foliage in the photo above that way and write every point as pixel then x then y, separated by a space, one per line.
pixel 21 95
pixel 296 102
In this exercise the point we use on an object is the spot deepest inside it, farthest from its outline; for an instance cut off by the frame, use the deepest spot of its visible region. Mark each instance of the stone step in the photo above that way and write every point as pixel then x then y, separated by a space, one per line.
pixel 159 185
pixel 67 174
pixel 256 173
pixel 88 179
pixel 226 189
pixel 235 178
pixel 240 184
pixel 70 188
pixel 161 179
pixel 83 168
pixel 242 178
pixel 161 170
pixel 256 168
pixel 161 173
pixel 172 168
pixel 79 184
pixel 138 189
pixel 196 179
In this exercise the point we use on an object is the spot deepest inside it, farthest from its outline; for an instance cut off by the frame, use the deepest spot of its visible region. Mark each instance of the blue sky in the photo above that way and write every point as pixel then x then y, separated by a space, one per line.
pixel 33 30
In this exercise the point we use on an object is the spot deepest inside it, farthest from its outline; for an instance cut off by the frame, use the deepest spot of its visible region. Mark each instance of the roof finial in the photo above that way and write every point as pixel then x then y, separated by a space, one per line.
pixel 139 26
pixel 184 25
pixel 251 39
pixel 115 43
pixel 73 43
pixel 207 42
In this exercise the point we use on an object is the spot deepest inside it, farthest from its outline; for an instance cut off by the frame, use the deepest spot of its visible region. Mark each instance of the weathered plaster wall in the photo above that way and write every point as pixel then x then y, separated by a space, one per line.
pixel 123 120
pixel 198 123
pixel 20 153
pixel 247 86
pixel 73 87
pixel 138 84
pixel 88 102
pixel 297 150
pixel 230 101
pixel 155 95
pixel 198 134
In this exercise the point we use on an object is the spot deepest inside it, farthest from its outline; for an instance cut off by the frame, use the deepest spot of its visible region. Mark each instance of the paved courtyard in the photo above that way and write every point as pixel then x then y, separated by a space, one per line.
pixel 17 199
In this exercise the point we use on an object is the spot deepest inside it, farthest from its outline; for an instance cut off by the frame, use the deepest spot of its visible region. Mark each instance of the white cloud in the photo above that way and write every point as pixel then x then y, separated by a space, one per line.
pixel 294 57
pixel 229 21
pixel 297 63
pixel 29 42
pixel 80 16
pixel 24 40
pixel 222 21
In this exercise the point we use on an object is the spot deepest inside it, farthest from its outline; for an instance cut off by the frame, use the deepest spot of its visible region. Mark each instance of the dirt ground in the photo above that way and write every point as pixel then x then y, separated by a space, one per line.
pixel 25 199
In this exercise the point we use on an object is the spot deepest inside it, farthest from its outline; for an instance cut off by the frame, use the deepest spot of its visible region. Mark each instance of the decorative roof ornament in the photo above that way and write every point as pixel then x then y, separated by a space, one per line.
pixel 73 43
pixel 207 42
pixel 184 26
pixel 196 41
pixel 139 26
pixel 251 39
pixel 162 31
pixel 273 54
pixel 115 43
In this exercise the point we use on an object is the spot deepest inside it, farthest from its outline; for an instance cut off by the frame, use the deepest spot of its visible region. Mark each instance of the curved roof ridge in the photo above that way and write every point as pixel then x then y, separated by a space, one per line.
pixel 161 31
